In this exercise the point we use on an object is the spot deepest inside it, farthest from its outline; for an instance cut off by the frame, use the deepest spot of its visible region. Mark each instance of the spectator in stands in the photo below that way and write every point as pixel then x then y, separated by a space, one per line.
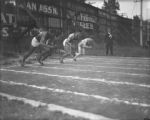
pixel 16 32
pixel 148 43
pixel 3 40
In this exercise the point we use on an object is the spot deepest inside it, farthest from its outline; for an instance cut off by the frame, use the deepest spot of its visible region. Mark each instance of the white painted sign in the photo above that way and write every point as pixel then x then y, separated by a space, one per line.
pixel 87 21
pixel 87 25
pixel 7 18
pixel 42 8
pixel 87 18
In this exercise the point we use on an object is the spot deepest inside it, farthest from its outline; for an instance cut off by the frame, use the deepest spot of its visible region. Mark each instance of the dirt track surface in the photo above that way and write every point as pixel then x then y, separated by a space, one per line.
pixel 112 87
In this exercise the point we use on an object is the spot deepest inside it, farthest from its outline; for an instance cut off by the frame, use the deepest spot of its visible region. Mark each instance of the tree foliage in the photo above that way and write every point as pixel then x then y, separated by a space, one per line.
pixel 111 6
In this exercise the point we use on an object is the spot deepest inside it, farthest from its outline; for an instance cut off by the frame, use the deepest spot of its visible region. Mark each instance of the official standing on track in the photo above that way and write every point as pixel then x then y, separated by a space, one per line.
pixel 109 43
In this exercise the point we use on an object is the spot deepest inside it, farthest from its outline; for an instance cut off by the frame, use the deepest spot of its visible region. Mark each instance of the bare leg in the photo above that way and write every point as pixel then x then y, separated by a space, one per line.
pixel 77 55
pixel 80 51
pixel 67 49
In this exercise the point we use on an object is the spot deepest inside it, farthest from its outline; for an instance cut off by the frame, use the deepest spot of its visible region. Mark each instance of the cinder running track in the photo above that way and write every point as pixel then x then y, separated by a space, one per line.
pixel 95 88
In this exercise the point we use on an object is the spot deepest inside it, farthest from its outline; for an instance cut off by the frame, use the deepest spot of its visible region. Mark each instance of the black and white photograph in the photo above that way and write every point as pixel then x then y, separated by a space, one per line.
pixel 75 60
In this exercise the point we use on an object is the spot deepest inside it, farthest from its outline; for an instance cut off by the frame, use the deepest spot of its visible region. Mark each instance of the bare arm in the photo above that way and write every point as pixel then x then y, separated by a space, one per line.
pixel 87 46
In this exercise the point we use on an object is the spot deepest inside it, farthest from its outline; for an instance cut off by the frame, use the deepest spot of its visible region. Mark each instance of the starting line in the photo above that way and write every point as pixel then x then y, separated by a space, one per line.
pixel 54 108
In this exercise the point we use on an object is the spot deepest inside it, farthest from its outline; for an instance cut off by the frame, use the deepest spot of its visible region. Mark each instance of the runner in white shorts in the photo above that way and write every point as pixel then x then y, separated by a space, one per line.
pixel 85 43
pixel 68 46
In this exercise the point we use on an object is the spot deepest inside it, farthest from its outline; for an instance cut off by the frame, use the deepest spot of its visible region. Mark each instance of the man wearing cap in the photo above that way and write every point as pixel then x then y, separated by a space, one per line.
pixel 109 43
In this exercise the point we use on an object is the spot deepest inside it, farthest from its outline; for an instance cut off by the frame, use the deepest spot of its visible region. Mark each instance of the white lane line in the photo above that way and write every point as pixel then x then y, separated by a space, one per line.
pixel 102 98
pixel 113 63
pixel 105 62
pixel 10 66
pixel 117 57
pixel 119 61
pixel 79 78
pixel 81 70
pixel 99 66
pixel 54 108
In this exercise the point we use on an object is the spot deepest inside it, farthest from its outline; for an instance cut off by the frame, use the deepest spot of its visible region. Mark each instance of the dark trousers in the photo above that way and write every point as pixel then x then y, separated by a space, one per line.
pixel 32 49
pixel 44 55
pixel 109 48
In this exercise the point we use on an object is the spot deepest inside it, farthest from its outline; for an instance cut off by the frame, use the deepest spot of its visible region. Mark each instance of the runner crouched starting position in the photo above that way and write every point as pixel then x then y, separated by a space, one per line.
pixel 36 43
pixel 68 46
pixel 85 43
pixel 49 41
